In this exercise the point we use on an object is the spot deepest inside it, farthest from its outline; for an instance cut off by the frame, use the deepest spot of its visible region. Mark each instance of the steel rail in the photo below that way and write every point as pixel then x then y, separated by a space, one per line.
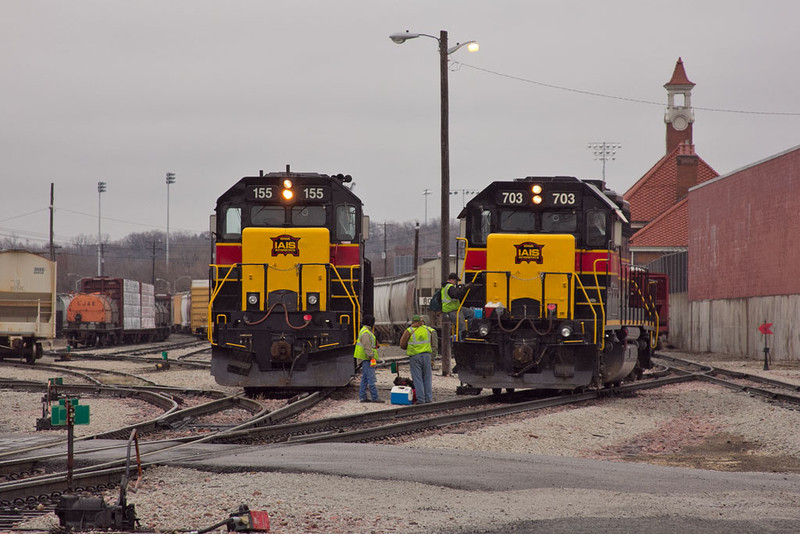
pixel 103 473
pixel 491 412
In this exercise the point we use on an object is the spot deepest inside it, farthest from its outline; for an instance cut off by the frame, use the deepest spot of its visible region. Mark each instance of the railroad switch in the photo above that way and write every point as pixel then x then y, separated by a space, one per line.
pixel 165 364
pixel 243 520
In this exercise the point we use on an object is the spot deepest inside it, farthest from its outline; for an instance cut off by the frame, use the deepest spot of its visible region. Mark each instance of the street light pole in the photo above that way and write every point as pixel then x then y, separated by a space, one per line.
pixel 101 188
pixel 444 52
pixel 426 192
pixel 445 127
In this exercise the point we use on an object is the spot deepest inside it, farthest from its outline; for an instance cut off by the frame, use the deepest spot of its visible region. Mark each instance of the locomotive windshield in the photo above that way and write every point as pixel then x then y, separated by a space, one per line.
pixel 556 222
pixel 266 216
pixel 517 221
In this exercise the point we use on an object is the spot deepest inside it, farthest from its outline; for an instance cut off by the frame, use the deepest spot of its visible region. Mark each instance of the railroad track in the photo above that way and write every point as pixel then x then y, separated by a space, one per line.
pixel 370 426
pixel 41 488
pixel 762 387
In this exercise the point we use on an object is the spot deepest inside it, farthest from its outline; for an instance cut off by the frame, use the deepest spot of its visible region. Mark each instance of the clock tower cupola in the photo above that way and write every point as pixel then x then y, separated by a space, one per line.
pixel 679 116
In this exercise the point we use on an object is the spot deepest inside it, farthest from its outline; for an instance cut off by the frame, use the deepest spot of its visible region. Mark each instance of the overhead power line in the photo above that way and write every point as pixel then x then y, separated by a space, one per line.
pixel 625 99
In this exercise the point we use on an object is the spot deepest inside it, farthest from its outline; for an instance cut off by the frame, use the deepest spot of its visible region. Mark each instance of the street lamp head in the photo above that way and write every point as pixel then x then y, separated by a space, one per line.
pixel 472 46
pixel 401 37
pixel 101 187
pixel 170 178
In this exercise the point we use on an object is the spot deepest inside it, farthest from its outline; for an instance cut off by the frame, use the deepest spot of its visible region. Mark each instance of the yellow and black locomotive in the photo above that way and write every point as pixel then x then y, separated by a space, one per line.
pixel 558 304
pixel 289 281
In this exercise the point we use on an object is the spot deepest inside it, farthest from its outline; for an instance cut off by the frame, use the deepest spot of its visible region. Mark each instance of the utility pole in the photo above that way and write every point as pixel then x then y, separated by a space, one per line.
pixel 52 244
pixel 101 188
pixel 385 252
pixel 170 181
pixel 154 263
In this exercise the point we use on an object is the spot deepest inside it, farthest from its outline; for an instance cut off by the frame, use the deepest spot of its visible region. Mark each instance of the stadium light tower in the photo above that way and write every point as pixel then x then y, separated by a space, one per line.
pixel 101 188
pixel 604 151
pixel 170 181
pixel 426 192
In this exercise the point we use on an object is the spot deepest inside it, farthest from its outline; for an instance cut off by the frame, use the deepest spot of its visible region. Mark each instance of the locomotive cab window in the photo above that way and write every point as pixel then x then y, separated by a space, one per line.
pixel 345 223
pixel 559 222
pixel 596 228
pixel 267 215
pixel 309 216
pixel 232 226
pixel 517 221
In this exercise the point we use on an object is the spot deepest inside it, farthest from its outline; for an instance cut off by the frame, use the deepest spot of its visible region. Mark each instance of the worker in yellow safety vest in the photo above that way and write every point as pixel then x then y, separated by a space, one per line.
pixel 367 352
pixel 418 341
pixel 452 295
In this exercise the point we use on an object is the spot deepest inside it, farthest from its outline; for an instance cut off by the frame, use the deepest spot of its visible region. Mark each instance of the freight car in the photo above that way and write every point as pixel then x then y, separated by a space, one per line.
pixel 113 311
pixel 27 304
pixel 395 303
pixel 289 283
pixel 198 307
pixel 62 304
pixel 398 298
pixel 190 309
pixel 181 312
pixel 559 306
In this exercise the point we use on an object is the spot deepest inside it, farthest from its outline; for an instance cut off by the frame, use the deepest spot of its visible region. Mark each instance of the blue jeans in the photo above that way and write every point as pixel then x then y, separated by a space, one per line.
pixel 367 381
pixel 463 319
pixel 422 376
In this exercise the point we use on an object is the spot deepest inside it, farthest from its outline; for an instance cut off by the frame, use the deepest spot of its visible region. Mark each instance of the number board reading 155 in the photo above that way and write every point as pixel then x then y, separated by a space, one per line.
pixel 302 194
pixel 526 197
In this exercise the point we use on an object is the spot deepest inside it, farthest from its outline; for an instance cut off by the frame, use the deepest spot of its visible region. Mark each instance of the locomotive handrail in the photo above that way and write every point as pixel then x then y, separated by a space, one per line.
pixel 356 306
pixel 594 313
pixel 217 287
pixel 654 312
pixel 600 297
pixel 461 302
pixel 574 274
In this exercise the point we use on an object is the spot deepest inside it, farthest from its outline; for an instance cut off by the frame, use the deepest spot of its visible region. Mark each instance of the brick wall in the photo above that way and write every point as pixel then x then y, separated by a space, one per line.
pixel 744 232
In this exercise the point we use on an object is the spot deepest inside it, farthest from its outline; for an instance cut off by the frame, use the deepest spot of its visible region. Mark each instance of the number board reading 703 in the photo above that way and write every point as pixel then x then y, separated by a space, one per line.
pixel 525 197
pixel 302 193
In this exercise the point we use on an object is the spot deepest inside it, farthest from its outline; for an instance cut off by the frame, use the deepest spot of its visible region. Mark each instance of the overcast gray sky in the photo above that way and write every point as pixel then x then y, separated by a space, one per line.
pixel 126 91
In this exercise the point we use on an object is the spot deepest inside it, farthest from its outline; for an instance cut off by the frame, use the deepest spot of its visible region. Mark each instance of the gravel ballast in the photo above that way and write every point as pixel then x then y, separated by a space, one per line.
pixel 689 425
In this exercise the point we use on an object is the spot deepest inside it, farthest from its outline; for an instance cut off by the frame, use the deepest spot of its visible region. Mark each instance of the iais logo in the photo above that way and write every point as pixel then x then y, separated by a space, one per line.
pixel 286 245
pixel 529 252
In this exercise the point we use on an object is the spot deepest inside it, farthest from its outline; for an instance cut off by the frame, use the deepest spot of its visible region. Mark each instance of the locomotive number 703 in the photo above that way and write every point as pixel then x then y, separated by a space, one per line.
pixel 563 199
pixel 512 197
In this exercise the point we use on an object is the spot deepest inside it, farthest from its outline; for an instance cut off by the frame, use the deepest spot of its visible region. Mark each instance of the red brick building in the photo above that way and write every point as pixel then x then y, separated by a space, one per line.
pixel 743 231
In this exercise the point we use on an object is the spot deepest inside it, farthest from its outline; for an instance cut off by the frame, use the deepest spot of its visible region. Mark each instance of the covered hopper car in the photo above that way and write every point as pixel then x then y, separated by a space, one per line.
pixel 27 304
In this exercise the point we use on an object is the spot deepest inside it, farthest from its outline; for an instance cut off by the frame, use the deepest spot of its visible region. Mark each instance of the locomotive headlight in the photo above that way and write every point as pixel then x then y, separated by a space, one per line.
pixel 566 331
pixel 537 199
pixel 288 194
pixel 287 184
pixel 483 330
pixel 313 299
pixel 252 299
pixel 536 189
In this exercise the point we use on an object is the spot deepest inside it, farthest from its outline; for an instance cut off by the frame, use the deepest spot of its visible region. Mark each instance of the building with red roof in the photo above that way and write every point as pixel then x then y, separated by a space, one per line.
pixel 656 198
